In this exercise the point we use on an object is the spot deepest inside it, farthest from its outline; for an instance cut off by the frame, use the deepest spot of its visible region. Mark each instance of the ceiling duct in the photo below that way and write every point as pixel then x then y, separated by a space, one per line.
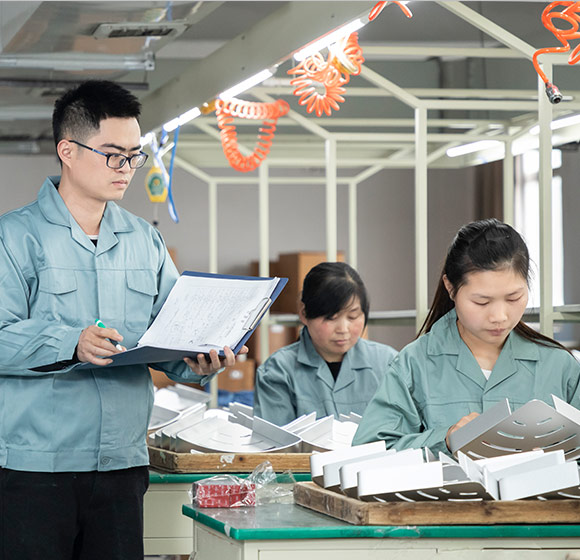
pixel 138 29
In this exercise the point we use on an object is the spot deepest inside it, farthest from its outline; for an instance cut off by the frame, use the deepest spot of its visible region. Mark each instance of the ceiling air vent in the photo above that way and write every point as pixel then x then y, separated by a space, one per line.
pixel 137 29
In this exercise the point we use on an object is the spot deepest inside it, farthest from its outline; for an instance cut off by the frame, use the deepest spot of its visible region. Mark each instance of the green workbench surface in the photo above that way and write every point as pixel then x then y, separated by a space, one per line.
pixel 276 521
pixel 169 478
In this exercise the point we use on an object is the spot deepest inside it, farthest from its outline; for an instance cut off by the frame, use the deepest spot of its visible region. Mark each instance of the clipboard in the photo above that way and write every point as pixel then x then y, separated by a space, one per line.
pixel 150 354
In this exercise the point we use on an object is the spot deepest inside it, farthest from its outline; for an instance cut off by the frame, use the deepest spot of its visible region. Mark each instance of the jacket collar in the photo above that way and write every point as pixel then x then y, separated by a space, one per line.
pixel 55 211
pixel 444 339
pixel 355 359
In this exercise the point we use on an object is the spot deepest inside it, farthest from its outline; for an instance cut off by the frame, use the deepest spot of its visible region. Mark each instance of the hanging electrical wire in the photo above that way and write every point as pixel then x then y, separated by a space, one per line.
pixel 345 59
pixel 570 16
pixel 269 113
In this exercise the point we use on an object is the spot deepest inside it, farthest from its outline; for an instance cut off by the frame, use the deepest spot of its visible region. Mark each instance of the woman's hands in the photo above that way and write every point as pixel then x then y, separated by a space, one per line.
pixel 460 424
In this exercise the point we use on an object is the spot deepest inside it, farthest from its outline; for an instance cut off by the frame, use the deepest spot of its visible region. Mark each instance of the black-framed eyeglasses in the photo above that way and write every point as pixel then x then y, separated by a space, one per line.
pixel 116 161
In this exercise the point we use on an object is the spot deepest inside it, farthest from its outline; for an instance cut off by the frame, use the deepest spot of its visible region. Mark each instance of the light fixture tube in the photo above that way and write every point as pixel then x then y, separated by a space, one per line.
pixel 329 39
pixel 66 61
pixel 247 84
pixel 182 119
pixel 473 147
pixel 559 123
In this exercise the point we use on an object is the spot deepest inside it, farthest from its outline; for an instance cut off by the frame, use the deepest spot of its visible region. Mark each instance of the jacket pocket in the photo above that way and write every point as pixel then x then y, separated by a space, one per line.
pixel 140 295
pixel 57 296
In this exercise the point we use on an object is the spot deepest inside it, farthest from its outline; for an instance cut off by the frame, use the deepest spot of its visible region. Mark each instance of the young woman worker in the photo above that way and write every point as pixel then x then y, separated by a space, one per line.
pixel 474 349
pixel 330 370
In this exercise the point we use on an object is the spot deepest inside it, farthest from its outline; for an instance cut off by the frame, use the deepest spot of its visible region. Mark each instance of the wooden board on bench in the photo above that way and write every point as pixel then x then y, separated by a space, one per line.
pixel 357 512
pixel 169 461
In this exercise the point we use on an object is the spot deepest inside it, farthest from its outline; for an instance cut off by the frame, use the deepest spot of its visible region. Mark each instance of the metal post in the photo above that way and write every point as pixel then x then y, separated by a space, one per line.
pixel 213 226
pixel 331 201
pixel 352 225
pixel 213 266
pixel 508 184
pixel 421 237
pixel 264 263
pixel 545 187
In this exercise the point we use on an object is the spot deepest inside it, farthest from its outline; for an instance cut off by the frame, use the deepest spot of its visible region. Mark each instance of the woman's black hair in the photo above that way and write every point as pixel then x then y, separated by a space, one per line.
pixel 329 287
pixel 483 245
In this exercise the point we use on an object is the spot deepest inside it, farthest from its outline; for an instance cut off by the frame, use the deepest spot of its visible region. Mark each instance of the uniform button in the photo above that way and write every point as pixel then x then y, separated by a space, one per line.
pixel 105 460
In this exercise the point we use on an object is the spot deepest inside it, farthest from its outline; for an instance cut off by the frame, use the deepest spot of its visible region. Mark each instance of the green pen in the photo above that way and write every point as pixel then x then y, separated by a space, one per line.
pixel 100 323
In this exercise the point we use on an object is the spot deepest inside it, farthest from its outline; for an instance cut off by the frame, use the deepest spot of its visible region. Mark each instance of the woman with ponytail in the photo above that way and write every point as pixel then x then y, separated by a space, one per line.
pixel 473 349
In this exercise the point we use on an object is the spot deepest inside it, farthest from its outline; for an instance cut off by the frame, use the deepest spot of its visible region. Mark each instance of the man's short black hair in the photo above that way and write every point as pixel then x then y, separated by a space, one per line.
pixel 79 111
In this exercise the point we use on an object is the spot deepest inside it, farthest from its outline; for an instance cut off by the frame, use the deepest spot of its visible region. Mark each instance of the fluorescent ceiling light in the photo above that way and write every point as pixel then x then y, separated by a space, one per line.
pixel 247 84
pixel 473 147
pixel 329 39
pixel 559 123
pixel 182 119
pixel 78 61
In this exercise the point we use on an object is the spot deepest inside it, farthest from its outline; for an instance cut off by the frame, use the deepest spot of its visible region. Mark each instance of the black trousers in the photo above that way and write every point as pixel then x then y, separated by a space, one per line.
pixel 72 516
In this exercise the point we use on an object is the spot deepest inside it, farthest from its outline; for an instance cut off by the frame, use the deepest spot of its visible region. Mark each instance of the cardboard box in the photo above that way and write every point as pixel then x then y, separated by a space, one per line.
pixel 255 269
pixel 239 377
pixel 295 266
pixel 279 336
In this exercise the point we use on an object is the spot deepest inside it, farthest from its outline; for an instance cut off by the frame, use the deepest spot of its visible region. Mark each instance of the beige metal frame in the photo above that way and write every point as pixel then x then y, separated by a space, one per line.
pixel 418 149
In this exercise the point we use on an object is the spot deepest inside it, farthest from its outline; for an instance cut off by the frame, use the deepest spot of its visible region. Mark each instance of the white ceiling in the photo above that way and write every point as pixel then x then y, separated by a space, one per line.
pixel 44 46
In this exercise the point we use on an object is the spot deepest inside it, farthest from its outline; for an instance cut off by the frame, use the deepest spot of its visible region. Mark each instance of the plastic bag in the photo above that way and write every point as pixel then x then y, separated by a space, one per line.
pixel 262 486
pixel 223 491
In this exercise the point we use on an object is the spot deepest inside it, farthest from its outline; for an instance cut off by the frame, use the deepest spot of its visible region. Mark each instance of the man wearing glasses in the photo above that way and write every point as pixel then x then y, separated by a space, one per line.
pixel 73 459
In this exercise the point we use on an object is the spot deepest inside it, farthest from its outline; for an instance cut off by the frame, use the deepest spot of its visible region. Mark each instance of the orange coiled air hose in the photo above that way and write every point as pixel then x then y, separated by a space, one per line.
pixel 345 59
pixel 269 113
pixel 379 6
pixel 570 15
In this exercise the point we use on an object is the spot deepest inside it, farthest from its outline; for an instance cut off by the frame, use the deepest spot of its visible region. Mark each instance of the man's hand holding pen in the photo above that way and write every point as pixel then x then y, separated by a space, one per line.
pixel 98 342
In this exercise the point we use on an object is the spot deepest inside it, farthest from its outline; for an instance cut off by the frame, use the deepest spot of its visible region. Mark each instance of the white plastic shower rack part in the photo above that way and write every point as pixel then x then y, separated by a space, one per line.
pixel 535 425
pixel 318 460
pixel 328 433
pixel 165 438
pixel 238 435
pixel 179 397
pixel 348 471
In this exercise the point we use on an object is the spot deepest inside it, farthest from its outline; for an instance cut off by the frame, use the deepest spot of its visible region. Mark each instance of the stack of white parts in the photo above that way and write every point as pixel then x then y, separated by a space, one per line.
pixel 371 473
pixel 195 429
pixel 215 435
pixel 529 453
pixel 532 474
pixel 174 402
pixel 319 460
pixel 325 434
pixel 329 433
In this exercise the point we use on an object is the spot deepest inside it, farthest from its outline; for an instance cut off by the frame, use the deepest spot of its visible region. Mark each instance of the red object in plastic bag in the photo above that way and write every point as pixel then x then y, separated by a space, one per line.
pixel 224 494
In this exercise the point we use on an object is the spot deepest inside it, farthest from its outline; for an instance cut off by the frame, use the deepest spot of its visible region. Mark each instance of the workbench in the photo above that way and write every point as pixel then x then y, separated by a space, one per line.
pixel 166 530
pixel 287 532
